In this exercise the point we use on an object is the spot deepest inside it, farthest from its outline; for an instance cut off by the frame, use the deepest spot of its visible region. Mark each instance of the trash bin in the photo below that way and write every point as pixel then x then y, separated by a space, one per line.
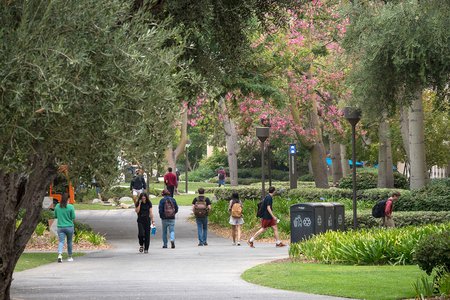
pixel 329 216
pixel 339 216
pixel 307 219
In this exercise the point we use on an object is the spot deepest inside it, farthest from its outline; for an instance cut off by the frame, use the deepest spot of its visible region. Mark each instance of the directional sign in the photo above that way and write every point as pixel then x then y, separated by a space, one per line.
pixel 292 148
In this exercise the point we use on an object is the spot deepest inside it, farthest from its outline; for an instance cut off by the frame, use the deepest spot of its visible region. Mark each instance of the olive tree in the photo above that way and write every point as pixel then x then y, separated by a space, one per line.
pixel 79 80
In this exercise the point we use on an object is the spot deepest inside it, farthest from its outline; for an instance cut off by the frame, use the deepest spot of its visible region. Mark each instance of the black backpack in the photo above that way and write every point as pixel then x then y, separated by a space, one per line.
pixel 260 211
pixel 378 209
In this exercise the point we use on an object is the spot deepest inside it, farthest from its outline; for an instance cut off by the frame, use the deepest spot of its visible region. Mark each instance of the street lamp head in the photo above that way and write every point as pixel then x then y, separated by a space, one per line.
pixel 262 133
pixel 352 114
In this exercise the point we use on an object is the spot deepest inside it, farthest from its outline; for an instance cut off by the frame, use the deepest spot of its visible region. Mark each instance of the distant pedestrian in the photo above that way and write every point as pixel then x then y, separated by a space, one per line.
pixel 65 215
pixel 178 174
pixel 201 206
pixel 168 208
pixel 170 180
pixel 137 185
pixel 236 218
pixel 388 220
pixel 145 219
pixel 268 220
pixel 222 175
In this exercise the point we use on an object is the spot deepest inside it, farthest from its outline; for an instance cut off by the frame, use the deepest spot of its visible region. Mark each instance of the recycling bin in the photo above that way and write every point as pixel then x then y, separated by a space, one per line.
pixel 339 216
pixel 307 219
pixel 329 216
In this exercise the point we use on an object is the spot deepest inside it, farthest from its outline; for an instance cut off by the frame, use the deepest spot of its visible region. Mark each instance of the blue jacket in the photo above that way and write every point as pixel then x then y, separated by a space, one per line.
pixel 161 207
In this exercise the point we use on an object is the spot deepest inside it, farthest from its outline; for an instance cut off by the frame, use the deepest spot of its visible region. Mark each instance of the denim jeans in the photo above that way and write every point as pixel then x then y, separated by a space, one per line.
pixel 202 229
pixel 170 223
pixel 64 232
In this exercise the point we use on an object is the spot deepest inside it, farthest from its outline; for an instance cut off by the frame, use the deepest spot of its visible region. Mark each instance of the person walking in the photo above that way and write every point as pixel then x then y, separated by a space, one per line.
pixel 236 219
pixel 268 220
pixel 168 208
pixel 65 215
pixel 201 206
pixel 388 220
pixel 170 180
pixel 137 185
pixel 145 219
pixel 221 174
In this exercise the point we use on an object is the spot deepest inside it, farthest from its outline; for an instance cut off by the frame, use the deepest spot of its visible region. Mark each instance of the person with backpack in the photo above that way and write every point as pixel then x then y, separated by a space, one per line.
pixel 170 180
pixel 168 208
pixel 65 215
pixel 221 174
pixel 388 220
pixel 268 219
pixel 145 219
pixel 236 219
pixel 137 185
pixel 201 206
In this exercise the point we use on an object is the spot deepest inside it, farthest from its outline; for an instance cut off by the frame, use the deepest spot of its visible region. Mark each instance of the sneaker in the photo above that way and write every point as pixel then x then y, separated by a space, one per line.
pixel 250 244
pixel 238 243
pixel 145 251
pixel 233 243
pixel 200 244
pixel 60 258
pixel 205 244
pixel 141 249
pixel 164 246
pixel 280 245
pixel 70 258
pixel 172 243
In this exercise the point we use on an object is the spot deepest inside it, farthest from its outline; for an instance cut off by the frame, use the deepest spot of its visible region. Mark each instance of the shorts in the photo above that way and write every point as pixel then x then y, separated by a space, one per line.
pixel 236 221
pixel 137 192
pixel 222 181
pixel 268 223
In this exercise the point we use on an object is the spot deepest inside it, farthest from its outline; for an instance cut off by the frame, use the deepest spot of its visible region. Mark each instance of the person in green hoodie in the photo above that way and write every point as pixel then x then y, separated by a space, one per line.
pixel 65 213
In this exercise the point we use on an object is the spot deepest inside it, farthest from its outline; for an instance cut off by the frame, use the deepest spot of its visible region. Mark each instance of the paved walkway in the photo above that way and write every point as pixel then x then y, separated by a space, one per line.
pixel 187 272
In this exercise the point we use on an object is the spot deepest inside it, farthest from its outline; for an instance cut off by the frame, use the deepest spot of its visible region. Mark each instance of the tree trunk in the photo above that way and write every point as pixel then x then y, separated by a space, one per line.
pixel 385 173
pixel 404 130
pixel 418 177
pixel 172 155
pixel 344 161
pixel 336 166
pixel 19 191
pixel 318 153
pixel 231 138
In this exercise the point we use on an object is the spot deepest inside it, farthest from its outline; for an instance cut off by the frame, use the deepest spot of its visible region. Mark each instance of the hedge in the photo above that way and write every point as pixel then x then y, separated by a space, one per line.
pixel 401 219
pixel 433 251
pixel 369 180
pixel 434 197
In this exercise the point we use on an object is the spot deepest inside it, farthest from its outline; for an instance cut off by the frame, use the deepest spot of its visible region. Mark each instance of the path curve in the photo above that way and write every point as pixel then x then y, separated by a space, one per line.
pixel 186 272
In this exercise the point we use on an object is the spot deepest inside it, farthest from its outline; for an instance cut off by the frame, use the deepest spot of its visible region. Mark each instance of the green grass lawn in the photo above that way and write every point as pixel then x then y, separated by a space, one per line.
pixel 192 186
pixel 183 200
pixel 361 282
pixel 33 260
pixel 89 206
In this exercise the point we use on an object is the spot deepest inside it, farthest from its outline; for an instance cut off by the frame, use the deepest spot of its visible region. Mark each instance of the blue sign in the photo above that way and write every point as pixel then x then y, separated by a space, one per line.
pixel 292 149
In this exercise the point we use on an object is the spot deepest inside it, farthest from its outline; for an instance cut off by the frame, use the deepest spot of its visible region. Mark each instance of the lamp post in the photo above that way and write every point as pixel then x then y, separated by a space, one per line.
pixel 262 133
pixel 353 115
pixel 188 143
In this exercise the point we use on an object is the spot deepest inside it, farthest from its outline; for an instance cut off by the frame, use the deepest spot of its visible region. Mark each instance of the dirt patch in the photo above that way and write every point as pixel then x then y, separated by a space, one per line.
pixel 48 242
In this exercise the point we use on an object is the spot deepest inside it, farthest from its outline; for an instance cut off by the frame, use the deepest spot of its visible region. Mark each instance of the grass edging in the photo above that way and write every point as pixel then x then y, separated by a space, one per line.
pixel 360 282
pixel 36 259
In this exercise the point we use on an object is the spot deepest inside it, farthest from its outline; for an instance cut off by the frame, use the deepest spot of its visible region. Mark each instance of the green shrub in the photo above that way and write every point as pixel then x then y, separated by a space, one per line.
pixel 45 216
pixel 362 247
pixel 433 251
pixel 202 173
pixel 245 192
pixel 81 227
pixel 306 177
pixel 369 179
pixel 381 194
pixel 317 194
pixel 95 238
pixel 40 229
pixel 402 219
pixel 434 197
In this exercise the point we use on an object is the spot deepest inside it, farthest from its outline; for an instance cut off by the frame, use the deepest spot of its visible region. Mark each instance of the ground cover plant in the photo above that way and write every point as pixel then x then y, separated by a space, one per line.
pixel 364 247
pixel 358 282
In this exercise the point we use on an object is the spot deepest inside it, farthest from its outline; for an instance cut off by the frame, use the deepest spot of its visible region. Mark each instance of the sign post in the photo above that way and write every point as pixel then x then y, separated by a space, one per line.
pixel 293 174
